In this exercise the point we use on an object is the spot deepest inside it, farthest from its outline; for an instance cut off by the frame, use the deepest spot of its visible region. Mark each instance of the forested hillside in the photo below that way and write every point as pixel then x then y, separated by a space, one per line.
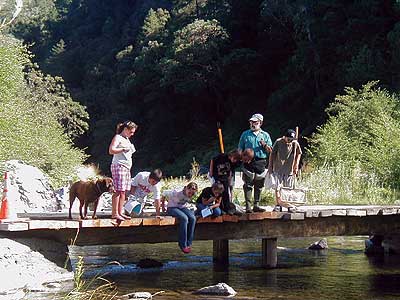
pixel 177 68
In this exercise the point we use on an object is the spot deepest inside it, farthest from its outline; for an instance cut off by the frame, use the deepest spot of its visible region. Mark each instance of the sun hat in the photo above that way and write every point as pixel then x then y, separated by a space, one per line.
pixel 256 117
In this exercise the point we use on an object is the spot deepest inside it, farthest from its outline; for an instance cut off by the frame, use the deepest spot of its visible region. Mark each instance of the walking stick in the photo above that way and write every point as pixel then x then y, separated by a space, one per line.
pixel 221 142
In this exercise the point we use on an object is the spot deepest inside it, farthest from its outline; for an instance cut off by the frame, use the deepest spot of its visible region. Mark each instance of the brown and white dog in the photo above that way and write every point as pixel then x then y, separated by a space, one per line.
pixel 89 192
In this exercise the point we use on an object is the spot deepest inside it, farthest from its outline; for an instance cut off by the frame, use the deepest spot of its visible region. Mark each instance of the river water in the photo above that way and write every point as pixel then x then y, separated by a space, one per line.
pixel 342 272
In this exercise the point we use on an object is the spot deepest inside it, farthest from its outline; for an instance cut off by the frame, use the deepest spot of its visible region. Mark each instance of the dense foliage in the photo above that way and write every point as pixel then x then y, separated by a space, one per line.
pixel 178 67
pixel 363 130
pixel 35 114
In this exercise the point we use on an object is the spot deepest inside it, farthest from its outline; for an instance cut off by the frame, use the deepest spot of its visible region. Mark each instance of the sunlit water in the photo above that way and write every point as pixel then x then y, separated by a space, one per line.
pixel 342 272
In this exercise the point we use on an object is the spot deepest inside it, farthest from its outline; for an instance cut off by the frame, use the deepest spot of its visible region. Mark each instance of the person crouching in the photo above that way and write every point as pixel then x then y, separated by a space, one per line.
pixel 210 200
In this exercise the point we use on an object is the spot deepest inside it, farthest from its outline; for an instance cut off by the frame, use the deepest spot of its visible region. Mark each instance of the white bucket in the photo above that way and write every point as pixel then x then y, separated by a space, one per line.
pixel 133 206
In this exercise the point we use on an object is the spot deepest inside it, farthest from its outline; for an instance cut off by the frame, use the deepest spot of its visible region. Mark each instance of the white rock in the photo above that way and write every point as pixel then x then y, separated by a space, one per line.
pixel 29 189
pixel 319 245
pixel 13 295
pixel 137 296
pixel 27 268
pixel 220 289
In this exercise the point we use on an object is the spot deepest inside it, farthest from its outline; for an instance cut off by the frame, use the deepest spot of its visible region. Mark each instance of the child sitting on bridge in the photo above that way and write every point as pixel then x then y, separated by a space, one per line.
pixel 177 207
pixel 209 201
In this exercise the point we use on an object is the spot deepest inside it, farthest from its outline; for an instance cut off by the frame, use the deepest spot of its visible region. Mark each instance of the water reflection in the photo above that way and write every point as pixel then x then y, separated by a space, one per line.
pixel 342 272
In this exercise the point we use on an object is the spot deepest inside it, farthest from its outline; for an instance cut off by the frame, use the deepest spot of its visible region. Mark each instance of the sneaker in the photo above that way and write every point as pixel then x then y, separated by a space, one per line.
pixel 292 209
pixel 258 209
pixel 277 208
pixel 249 210
pixel 186 250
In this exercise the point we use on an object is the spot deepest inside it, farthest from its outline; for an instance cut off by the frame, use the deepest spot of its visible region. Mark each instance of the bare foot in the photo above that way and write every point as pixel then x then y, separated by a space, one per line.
pixel 118 218
pixel 125 217
pixel 116 223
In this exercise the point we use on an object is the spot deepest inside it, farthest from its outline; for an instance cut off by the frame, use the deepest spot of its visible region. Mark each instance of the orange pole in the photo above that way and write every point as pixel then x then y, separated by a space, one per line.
pixel 4 201
pixel 221 142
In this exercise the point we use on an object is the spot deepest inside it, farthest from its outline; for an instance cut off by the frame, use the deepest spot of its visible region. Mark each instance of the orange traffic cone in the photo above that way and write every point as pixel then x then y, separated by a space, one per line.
pixel 4 208
pixel 4 201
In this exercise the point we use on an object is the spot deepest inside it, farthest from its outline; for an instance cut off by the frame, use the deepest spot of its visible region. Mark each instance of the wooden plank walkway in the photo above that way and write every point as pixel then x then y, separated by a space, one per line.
pixel 57 221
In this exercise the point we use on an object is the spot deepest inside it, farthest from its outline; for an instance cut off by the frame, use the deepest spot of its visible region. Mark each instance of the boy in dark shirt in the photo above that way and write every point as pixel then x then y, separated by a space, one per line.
pixel 210 197
pixel 222 169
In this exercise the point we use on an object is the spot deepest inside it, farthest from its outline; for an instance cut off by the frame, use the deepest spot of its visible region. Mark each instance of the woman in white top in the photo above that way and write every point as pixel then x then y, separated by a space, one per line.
pixel 122 149
pixel 177 207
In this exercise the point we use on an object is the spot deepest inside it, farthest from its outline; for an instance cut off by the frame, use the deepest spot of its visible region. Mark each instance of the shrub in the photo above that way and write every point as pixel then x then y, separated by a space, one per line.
pixel 362 134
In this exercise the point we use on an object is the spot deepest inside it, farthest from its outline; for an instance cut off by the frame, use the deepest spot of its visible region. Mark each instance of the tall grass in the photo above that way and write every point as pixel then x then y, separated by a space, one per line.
pixel 341 184
pixel 97 288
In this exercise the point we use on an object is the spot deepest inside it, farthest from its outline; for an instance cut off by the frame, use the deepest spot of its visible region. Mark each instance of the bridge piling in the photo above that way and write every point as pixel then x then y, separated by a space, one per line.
pixel 221 253
pixel 269 253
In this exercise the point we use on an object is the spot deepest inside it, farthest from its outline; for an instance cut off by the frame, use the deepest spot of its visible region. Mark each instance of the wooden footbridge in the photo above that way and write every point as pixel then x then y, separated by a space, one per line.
pixel 308 221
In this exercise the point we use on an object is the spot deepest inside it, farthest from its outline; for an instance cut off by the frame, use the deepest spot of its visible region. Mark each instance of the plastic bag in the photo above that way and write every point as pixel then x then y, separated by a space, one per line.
pixel 270 181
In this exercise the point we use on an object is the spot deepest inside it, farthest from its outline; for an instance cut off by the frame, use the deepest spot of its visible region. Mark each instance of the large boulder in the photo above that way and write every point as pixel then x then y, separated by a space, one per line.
pixel 29 189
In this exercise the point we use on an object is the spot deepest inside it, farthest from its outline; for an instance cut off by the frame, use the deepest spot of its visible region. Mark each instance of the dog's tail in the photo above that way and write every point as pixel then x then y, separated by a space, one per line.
pixel 72 196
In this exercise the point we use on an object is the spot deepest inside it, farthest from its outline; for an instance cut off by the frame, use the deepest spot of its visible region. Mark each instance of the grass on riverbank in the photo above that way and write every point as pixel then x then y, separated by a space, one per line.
pixel 341 184
pixel 329 185
pixel 97 288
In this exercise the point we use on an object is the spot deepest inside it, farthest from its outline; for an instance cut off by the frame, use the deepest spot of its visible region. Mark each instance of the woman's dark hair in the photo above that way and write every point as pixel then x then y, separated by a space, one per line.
pixel 126 124
pixel 156 175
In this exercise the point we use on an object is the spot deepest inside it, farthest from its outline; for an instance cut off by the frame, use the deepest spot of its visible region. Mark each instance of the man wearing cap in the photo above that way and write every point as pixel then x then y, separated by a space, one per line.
pixel 284 163
pixel 254 173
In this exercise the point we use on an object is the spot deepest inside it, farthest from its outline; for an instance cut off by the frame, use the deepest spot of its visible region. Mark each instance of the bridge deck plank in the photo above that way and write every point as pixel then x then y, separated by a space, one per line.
pixel 389 211
pixel 14 226
pixel 210 220
pixel 55 221
pixel 51 224
pixel 356 212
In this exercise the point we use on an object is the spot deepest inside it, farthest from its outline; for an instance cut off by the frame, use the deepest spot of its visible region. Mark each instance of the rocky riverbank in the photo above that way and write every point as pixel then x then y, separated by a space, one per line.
pixel 24 266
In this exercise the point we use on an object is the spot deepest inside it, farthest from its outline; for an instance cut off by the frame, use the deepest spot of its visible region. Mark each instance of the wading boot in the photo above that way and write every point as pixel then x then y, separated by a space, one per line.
pixel 256 208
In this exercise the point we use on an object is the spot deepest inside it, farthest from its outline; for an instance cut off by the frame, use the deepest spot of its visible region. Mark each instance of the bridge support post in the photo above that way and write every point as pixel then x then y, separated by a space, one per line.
pixel 270 253
pixel 221 252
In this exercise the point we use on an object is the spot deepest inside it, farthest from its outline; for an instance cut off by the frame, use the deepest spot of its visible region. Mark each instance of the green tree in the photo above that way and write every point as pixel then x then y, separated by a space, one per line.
pixel 363 129
pixel 29 125
pixel 51 92
pixel 154 26
pixel 194 63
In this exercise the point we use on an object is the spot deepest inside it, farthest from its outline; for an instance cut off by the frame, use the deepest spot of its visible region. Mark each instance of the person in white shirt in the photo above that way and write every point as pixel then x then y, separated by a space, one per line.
pixel 177 207
pixel 122 149
pixel 145 183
